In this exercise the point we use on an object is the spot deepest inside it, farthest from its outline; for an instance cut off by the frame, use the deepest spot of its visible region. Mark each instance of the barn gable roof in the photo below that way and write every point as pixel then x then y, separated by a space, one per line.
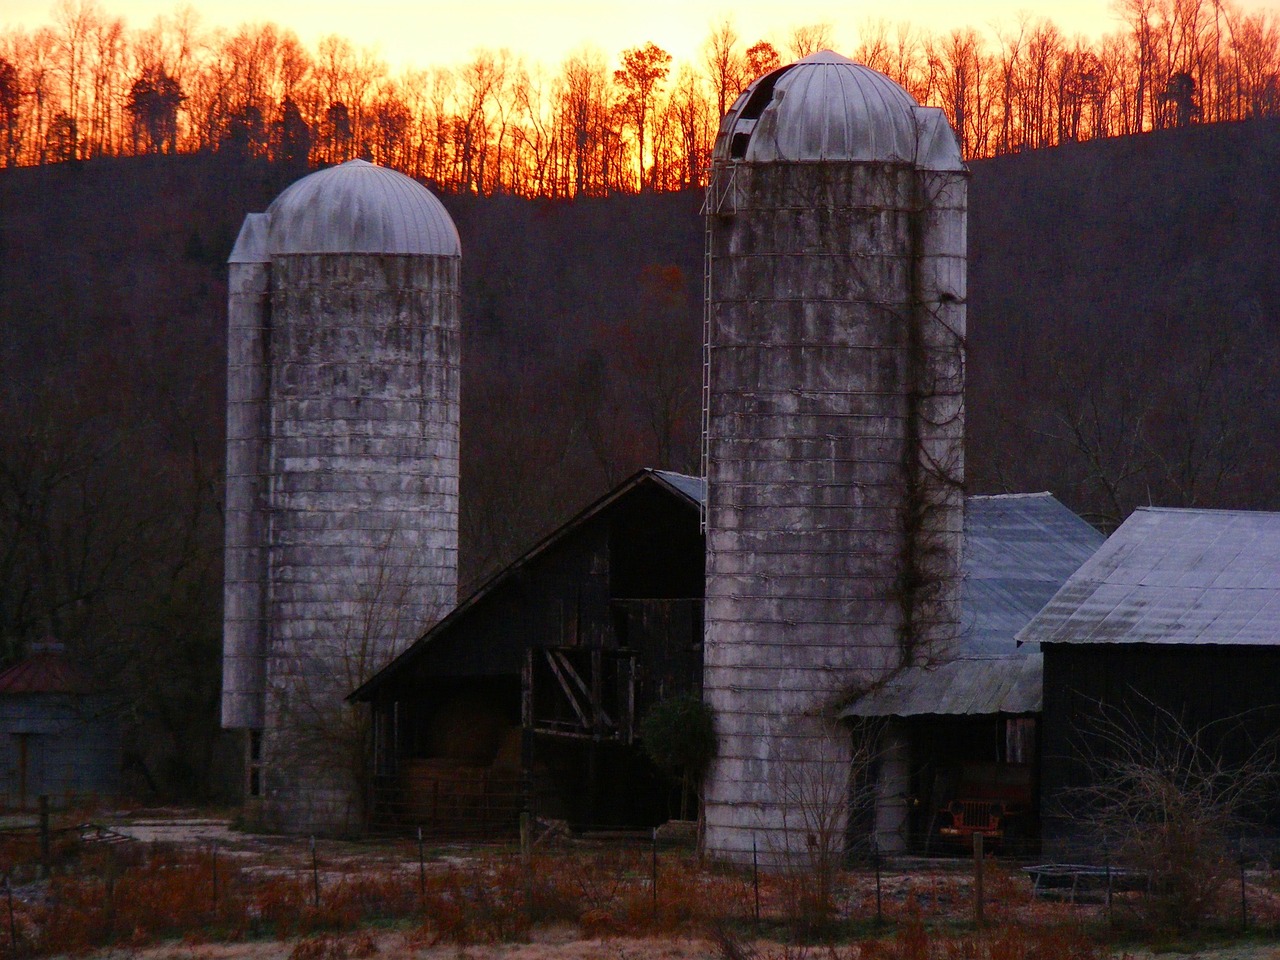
pixel 1019 550
pixel 684 489
pixel 1173 576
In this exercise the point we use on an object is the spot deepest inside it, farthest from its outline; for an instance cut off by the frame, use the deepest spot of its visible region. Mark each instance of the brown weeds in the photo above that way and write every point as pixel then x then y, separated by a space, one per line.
pixel 134 898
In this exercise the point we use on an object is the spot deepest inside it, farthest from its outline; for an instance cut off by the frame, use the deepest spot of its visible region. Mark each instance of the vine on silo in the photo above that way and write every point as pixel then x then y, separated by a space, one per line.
pixel 929 562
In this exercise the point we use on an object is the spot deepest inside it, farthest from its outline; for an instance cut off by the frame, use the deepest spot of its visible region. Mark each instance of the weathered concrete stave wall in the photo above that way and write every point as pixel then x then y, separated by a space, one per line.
pixel 836 406
pixel 245 557
pixel 363 501
pixel 808 273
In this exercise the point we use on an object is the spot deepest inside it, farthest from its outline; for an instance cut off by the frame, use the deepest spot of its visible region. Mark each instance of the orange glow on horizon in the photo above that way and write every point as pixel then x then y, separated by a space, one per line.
pixel 409 35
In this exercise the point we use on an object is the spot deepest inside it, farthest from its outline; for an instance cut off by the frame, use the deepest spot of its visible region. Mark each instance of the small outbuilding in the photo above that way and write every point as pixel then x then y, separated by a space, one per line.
pixel 1176 617
pixel 58 736
pixel 959 743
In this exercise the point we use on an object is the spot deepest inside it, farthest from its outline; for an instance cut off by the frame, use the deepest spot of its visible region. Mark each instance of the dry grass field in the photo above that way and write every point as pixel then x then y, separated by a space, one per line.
pixel 182 886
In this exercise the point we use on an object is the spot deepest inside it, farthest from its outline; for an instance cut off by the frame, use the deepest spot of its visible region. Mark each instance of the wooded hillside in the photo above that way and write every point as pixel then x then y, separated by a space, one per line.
pixel 1124 302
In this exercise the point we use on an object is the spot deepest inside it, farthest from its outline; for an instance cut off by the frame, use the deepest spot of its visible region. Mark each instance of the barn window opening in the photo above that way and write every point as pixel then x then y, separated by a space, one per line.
pixel 1020 740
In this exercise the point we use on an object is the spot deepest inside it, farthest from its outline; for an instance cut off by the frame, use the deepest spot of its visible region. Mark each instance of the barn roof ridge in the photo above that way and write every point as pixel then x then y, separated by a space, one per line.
pixel 666 480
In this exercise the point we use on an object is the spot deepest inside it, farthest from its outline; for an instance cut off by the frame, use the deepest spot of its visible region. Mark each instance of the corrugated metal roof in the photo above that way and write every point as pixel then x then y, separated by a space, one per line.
pixel 828 108
pixel 48 672
pixel 1019 549
pixel 693 488
pixel 959 688
pixel 358 207
pixel 1173 576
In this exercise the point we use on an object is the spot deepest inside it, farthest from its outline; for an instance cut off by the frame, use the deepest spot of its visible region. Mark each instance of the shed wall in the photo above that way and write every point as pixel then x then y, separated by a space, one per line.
pixel 72 748
pixel 1233 691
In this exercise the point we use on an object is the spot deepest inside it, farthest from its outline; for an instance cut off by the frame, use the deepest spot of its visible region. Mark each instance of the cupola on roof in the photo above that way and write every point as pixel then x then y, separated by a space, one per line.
pixel 828 108
pixel 358 207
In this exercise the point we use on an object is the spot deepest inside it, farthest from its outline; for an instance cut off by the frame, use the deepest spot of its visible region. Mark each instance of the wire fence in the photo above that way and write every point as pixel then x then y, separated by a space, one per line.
pixel 74 886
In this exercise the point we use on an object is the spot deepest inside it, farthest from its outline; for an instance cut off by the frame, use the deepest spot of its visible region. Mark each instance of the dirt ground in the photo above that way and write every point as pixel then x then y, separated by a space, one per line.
pixel 565 945
pixel 546 945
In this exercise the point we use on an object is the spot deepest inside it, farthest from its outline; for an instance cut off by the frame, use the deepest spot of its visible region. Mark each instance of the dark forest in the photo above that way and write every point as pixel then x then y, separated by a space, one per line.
pixel 1123 350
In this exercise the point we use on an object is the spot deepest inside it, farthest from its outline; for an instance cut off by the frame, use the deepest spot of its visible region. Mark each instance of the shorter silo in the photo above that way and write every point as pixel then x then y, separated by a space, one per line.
pixel 342 488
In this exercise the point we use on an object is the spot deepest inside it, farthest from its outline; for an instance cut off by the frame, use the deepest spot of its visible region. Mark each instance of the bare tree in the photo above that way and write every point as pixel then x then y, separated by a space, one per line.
pixel 809 39
pixel 10 101
pixel 823 791
pixel 725 64
pixel 762 57
pixel 643 71
pixel 1169 797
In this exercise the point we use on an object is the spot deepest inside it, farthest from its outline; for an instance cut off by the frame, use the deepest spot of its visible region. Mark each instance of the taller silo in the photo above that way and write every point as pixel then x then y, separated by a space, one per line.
pixel 834 433
pixel 342 471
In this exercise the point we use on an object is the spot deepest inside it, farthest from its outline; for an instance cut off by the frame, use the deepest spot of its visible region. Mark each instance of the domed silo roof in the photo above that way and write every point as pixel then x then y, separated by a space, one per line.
pixel 828 108
pixel 251 244
pixel 358 207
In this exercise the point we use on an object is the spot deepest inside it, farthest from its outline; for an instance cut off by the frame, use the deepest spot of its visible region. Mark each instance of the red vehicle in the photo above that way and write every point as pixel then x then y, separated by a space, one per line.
pixel 990 799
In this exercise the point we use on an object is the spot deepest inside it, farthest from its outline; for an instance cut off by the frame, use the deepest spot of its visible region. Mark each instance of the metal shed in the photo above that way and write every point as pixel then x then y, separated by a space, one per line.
pixel 1179 611
pixel 58 736
pixel 964 730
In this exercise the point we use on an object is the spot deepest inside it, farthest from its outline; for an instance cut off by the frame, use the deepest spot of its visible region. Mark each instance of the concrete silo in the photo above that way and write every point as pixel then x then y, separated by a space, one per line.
pixel 834 434
pixel 342 470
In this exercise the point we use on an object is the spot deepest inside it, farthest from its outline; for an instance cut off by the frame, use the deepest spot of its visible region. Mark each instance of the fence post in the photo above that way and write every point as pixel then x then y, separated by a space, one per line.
pixel 315 872
pixel 1244 902
pixel 1106 859
pixel 422 870
pixel 977 879
pixel 13 926
pixel 654 872
pixel 875 858
pixel 44 836
pixel 755 876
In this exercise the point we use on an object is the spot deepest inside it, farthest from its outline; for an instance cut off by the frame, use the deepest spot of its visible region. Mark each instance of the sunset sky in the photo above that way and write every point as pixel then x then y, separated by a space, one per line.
pixel 420 34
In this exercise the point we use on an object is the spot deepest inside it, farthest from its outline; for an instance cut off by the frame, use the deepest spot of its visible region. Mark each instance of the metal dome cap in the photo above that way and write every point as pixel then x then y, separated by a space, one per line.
pixel 828 108
pixel 358 207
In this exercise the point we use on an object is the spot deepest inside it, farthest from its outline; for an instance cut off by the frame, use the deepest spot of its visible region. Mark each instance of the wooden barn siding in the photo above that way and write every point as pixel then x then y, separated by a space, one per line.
pixel 1199 684
pixel 633 576
pixel 649 545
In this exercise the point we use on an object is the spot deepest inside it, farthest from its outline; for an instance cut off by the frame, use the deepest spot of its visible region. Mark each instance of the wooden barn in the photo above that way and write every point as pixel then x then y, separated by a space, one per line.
pixel 959 745
pixel 1176 617
pixel 536 682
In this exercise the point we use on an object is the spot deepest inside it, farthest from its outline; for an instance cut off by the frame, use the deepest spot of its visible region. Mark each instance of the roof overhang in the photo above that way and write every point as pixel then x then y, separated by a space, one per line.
pixel 970 687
